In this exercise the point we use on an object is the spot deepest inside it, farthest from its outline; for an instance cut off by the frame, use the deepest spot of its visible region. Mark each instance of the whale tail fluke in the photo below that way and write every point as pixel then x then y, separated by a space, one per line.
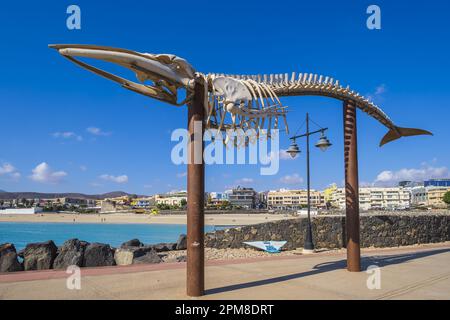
pixel 399 132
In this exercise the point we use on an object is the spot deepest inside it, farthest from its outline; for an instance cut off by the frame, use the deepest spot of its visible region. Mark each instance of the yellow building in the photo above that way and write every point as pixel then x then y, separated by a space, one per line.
pixel 118 200
pixel 294 199
pixel 328 193
pixel 436 197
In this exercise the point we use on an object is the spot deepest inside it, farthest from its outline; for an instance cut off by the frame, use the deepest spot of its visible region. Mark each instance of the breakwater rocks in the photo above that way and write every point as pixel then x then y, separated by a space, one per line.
pixel 329 231
pixel 46 255
pixel 8 258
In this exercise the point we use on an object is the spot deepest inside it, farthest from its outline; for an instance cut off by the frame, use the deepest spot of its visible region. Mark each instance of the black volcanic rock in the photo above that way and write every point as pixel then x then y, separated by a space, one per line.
pixel 132 243
pixel 98 255
pixel 181 242
pixel 149 257
pixel 70 253
pixel 39 255
pixel 161 247
pixel 8 258
pixel 126 255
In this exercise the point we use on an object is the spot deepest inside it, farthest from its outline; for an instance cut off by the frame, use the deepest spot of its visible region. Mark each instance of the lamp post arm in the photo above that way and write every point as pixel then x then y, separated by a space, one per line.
pixel 308 134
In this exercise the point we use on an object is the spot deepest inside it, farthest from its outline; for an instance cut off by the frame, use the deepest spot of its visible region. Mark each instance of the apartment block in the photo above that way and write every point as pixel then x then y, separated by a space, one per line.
pixel 375 198
pixel 429 196
pixel 242 197
pixel 172 199
pixel 284 199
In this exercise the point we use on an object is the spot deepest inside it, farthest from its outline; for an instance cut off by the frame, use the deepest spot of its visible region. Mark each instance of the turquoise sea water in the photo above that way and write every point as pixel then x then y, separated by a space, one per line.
pixel 21 233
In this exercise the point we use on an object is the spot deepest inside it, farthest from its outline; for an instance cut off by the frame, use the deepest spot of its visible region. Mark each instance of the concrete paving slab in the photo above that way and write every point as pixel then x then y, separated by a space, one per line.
pixel 406 273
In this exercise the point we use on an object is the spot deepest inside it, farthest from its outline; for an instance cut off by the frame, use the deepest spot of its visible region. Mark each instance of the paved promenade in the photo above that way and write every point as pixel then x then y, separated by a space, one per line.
pixel 406 273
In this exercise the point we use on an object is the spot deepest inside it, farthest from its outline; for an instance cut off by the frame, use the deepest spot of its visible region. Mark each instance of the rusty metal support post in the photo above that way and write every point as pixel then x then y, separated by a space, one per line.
pixel 351 188
pixel 196 193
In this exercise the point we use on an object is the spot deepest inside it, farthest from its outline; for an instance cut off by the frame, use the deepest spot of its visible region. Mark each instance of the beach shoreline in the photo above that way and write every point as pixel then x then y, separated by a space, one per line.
pixel 236 219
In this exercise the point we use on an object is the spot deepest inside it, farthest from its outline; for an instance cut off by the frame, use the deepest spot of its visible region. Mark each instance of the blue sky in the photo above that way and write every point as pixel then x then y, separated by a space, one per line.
pixel 82 133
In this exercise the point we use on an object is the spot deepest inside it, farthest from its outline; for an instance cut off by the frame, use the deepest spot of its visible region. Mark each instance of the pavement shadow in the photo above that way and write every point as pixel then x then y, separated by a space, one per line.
pixel 379 260
pixel 386 260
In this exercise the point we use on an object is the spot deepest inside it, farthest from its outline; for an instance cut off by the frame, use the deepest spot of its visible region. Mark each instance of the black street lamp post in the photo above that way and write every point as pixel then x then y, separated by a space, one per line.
pixel 293 150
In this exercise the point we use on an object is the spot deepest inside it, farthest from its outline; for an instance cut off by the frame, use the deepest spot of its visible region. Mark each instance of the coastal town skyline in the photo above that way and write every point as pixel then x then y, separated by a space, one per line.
pixel 281 187
pixel 91 136
pixel 408 195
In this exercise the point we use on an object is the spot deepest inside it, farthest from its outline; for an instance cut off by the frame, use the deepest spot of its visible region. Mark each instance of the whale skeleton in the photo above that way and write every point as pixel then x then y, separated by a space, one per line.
pixel 231 101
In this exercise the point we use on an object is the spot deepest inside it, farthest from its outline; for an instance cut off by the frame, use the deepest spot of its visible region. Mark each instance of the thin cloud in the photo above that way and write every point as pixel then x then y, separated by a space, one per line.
pixel 377 93
pixel 15 175
pixel 182 174
pixel 97 131
pixel 388 177
pixel 291 179
pixel 380 89
pixel 117 179
pixel 8 170
pixel 365 184
pixel 95 184
pixel 67 135
pixel 244 181
pixel 44 174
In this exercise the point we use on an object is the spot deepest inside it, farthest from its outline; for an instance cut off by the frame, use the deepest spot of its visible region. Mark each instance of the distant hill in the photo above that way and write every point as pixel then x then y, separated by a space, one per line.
pixel 38 195
pixel 1 191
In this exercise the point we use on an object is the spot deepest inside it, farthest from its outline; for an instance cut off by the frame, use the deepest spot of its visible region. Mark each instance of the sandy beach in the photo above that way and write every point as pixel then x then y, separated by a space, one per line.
pixel 123 218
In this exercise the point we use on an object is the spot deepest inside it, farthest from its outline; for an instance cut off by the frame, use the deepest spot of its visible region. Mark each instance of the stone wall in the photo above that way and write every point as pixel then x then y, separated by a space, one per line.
pixel 329 231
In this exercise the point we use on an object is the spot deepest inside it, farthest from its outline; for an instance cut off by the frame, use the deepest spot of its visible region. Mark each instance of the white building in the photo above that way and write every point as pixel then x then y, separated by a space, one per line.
pixel 419 196
pixel 33 210
pixel 375 198
pixel 172 199
pixel 219 196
